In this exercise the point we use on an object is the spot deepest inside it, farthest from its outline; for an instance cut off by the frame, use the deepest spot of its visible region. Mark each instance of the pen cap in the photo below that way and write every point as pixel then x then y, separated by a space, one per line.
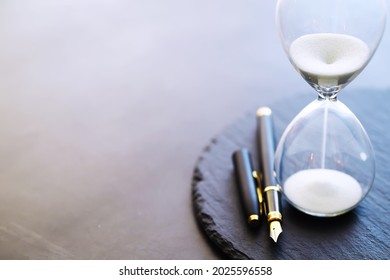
pixel 247 186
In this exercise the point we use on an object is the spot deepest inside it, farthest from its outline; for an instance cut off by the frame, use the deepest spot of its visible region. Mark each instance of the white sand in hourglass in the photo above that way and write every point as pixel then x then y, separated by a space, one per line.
pixel 328 58
pixel 322 190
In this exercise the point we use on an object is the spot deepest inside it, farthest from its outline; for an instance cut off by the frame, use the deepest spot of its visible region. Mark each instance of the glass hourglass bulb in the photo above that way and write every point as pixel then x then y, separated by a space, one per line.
pixel 324 159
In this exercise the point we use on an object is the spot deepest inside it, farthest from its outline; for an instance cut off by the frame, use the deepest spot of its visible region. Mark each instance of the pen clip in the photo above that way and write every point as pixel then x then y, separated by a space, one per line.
pixel 257 177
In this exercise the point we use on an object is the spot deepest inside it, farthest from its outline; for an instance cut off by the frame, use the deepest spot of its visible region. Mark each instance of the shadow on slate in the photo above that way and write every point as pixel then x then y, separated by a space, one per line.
pixel 359 234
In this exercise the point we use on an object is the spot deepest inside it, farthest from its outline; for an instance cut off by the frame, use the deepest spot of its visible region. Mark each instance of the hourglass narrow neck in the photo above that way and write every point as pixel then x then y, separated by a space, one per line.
pixel 327 93
pixel 332 98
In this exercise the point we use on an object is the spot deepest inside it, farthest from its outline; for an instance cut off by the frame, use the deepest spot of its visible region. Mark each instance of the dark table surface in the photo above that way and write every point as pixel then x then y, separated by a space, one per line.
pixel 105 107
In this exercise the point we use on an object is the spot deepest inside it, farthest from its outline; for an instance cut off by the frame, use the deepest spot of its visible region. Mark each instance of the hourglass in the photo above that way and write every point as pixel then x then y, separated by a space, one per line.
pixel 324 159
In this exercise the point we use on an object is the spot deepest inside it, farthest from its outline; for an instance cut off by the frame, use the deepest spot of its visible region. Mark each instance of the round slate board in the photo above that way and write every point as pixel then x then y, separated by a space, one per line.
pixel 359 234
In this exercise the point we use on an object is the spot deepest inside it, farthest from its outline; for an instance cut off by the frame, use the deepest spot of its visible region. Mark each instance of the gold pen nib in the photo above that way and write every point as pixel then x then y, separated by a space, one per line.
pixel 275 229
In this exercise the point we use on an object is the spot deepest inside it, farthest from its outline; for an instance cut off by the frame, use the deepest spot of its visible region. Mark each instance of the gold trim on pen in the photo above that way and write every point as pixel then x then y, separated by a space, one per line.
pixel 273 188
pixel 274 216
pixel 253 218
pixel 257 177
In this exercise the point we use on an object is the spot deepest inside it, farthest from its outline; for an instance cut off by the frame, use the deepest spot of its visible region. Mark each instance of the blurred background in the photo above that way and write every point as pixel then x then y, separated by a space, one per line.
pixel 105 107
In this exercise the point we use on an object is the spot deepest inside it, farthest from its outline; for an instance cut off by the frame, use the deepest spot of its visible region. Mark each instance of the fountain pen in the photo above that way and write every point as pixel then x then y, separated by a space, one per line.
pixel 270 189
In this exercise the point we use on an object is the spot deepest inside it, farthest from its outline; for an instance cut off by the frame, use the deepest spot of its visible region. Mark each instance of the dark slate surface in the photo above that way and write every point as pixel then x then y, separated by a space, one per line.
pixel 360 234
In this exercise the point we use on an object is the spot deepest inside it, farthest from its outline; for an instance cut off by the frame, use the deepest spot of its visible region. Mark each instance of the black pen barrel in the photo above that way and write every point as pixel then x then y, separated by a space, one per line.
pixel 266 145
pixel 247 186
